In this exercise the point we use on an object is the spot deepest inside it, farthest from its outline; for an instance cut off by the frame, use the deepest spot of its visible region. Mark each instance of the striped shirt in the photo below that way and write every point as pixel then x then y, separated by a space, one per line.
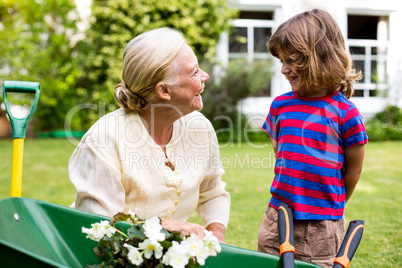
pixel 312 134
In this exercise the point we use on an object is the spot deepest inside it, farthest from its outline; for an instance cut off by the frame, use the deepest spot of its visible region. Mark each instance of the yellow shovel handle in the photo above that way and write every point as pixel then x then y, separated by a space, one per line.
pixel 16 170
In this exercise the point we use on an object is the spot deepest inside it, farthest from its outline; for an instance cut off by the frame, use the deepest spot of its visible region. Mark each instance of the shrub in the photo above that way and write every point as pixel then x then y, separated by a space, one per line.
pixel 386 125
pixel 221 98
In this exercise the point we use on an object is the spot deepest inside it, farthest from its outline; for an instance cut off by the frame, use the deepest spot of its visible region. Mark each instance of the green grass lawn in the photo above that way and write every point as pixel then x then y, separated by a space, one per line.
pixel 249 172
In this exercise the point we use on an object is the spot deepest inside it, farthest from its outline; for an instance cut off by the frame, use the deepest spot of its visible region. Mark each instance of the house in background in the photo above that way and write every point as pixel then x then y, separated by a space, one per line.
pixel 372 30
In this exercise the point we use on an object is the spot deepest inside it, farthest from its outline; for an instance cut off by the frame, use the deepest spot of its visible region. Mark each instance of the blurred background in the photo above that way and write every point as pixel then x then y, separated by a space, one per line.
pixel 74 49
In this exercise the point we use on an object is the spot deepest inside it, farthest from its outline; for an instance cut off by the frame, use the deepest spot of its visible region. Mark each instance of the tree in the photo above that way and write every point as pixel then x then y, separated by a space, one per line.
pixel 115 22
pixel 37 44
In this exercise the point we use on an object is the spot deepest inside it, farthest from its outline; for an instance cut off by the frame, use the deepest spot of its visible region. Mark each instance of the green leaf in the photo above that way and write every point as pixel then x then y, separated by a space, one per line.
pixel 168 234
pixel 136 231
pixel 119 217
pixel 106 257
pixel 192 263
pixel 166 244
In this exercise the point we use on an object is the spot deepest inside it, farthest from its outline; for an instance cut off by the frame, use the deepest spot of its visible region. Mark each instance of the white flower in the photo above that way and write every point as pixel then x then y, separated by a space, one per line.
pixel 152 228
pixel 151 247
pixel 212 243
pixel 202 255
pixel 106 229
pixel 132 214
pixel 99 230
pixel 192 245
pixel 90 233
pixel 196 248
pixel 176 256
pixel 134 256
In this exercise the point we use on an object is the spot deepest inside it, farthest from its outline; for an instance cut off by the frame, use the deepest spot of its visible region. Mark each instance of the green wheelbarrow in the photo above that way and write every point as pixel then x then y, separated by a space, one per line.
pixel 35 233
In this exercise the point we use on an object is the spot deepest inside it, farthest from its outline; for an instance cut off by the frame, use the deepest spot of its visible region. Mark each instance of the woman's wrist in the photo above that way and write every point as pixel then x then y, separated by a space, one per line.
pixel 218 229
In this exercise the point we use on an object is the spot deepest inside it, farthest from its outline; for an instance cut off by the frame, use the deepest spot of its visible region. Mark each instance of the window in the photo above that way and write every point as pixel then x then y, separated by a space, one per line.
pixel 247 43
pixel 367 39
pixel 249 35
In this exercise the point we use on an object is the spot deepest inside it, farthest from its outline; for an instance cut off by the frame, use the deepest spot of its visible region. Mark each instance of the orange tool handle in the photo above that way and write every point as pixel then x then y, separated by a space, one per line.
pixel 350 244
pixel 286 239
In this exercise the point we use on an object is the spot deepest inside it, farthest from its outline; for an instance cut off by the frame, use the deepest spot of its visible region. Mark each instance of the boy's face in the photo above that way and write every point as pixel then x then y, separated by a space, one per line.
pixel 289 71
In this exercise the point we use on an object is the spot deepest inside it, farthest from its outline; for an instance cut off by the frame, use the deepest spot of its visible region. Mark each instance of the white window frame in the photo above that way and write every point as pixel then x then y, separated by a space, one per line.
pixel 250 24
pixel 366 85
pixel 382 44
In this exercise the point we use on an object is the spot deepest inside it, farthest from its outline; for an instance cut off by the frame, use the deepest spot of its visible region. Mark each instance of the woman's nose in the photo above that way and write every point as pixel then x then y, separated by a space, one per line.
pixel 204 76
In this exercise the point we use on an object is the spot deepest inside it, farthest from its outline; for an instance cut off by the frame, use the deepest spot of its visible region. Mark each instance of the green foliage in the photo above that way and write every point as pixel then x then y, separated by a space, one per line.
pixel 386 125
pixel 391 115
pixel 37 45
pixel 221 98
pixel 115 22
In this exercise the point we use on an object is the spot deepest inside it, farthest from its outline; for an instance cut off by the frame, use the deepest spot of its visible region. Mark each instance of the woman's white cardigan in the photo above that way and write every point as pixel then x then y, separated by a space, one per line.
pixel 118 167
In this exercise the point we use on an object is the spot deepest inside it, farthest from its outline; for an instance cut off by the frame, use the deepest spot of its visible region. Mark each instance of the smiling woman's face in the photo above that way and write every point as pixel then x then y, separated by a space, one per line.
pixel 188 96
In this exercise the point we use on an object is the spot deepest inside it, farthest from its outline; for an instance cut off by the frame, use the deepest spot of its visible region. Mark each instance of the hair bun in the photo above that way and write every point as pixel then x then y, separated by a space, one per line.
pixel 128 99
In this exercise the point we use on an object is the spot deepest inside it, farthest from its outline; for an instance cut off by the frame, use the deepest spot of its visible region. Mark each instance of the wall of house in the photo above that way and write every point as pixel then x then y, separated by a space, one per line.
pixel 388 32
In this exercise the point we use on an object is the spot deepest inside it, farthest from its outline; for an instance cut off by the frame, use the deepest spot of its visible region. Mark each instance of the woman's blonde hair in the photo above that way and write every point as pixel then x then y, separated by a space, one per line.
pixel 147 60
pixel 314 41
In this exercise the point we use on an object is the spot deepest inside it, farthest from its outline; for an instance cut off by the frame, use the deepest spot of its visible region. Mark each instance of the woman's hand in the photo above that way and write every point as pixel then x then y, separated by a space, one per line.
pixel 186 228
pixel 218 230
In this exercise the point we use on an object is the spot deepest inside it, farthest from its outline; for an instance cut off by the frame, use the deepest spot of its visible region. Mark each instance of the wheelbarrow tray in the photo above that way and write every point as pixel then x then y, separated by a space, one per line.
pixel 36 233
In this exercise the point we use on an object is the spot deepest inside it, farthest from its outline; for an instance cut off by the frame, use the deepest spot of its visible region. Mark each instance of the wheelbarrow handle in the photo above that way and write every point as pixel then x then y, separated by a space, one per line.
pixel 349 245
pixel 19 125
pixel 286 236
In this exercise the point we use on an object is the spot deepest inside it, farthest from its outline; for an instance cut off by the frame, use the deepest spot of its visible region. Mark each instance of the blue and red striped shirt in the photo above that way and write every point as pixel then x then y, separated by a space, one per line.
pixel 312 134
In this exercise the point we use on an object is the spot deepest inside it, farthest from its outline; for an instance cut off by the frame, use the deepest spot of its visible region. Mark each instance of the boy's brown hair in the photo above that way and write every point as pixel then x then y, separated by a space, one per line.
pixel 314 41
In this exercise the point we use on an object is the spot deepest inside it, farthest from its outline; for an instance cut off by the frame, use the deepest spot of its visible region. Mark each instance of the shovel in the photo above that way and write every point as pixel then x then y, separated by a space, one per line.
pixel 19 126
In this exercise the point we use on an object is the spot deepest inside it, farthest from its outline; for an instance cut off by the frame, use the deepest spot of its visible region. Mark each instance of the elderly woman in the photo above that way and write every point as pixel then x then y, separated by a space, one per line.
pixel 157 156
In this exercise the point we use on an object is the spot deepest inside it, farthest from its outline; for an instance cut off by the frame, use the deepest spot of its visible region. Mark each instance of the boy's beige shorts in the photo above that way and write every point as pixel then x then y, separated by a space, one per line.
pixel 316 241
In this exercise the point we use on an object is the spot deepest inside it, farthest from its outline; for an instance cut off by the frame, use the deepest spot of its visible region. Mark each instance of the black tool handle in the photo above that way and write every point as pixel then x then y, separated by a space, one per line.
pixel 350 244
pixel 286 236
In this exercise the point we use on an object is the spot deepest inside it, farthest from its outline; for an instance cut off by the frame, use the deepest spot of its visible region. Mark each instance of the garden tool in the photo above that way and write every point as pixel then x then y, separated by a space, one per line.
pixel 286 238
pixel 345 254
pixel 349 245
pixel 19 126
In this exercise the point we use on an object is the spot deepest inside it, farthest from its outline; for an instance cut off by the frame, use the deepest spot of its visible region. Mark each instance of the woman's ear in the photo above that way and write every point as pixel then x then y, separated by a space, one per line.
pixel 162 91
